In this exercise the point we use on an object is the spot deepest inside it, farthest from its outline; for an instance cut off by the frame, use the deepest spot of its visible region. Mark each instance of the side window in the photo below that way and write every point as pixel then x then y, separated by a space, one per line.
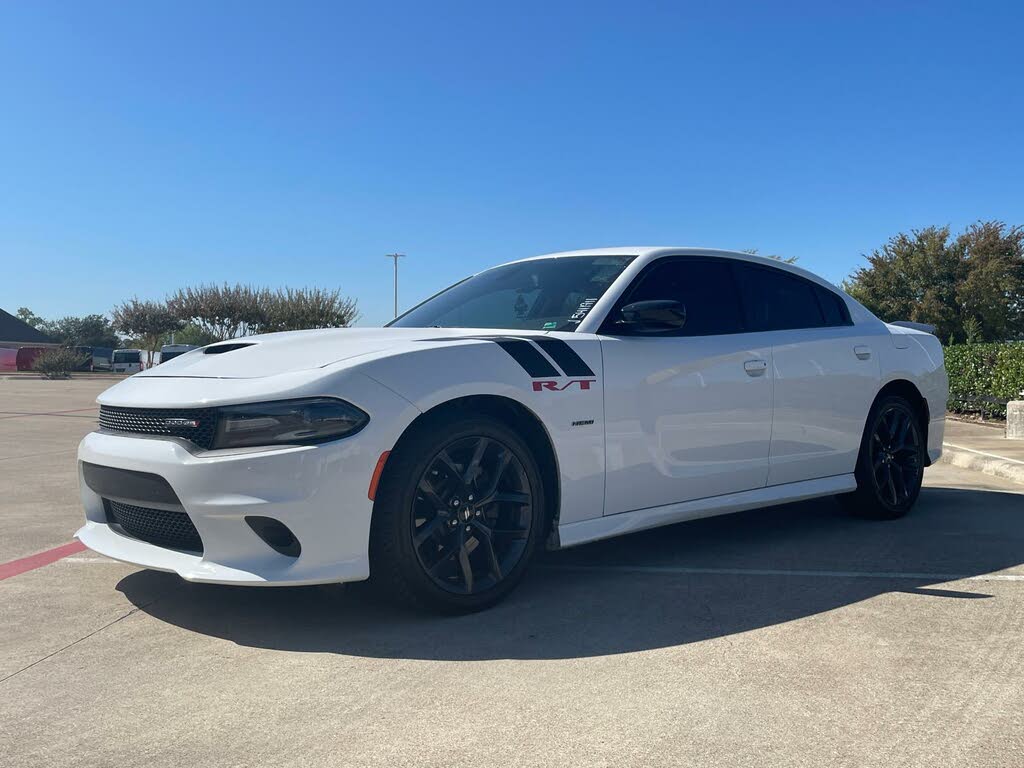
pixel 776 301
pixel 704 286
pixel 832 307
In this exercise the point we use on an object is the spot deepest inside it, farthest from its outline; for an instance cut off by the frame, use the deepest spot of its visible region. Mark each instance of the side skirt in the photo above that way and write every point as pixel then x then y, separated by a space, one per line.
pixel 585 531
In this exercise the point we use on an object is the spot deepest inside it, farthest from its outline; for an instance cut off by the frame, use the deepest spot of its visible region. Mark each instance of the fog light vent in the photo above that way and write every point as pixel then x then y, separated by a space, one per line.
pixel 276 535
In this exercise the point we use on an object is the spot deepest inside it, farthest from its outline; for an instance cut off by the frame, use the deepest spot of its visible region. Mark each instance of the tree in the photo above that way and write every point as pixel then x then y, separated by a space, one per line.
pixel 148 321
pixel 924 277
pixel 783 259
pixel 993 289
pixel 221 311
pixel 972 330
pixel 193 334
pixel 292 309
pixel 217 312
pixel 88 331
pixel 28 316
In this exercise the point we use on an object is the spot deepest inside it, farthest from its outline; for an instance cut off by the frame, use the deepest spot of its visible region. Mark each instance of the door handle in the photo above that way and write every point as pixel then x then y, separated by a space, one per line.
pixel 862 351
pixel 755 367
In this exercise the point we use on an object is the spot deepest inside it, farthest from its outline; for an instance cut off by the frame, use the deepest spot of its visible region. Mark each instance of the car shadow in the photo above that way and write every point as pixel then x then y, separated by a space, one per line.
pixel 742 572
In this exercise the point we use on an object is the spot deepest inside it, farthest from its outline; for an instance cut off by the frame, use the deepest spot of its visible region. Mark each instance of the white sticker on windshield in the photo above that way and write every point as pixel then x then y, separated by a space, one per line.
pixel 581 311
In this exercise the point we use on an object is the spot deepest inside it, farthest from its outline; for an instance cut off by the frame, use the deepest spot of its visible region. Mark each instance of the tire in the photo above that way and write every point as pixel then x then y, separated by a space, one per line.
pixel 438 515
pixel 890 465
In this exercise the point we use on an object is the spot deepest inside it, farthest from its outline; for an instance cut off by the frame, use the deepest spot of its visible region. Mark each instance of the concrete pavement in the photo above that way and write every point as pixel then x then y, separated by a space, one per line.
pixel 41 424
pixel 794 636
pixel 983 448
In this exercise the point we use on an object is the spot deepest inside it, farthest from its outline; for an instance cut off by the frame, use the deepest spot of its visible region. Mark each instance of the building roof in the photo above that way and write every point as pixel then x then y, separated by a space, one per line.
pixel 13 330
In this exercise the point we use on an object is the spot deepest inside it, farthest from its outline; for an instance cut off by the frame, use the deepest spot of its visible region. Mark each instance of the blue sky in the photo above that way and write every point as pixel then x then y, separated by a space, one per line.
pixel 148 145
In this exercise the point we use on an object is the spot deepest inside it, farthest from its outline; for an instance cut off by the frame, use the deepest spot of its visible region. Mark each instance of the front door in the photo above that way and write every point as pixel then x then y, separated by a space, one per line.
pixel 687 414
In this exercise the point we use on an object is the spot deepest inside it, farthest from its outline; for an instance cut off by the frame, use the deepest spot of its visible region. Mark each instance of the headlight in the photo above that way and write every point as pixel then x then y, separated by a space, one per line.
pixel 287 422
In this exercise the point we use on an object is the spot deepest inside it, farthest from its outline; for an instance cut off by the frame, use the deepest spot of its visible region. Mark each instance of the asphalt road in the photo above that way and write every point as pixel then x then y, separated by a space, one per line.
pixel 793 636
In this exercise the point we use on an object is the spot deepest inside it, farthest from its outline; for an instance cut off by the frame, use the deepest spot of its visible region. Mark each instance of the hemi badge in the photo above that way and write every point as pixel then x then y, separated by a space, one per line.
pixel 191 423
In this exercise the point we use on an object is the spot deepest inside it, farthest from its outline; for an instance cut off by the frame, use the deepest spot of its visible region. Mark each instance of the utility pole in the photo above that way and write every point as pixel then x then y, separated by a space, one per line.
pixel 395 257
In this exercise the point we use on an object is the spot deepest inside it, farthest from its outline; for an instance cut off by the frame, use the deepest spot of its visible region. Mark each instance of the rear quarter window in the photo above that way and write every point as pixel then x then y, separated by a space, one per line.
pixel 832 307
pixel 775 300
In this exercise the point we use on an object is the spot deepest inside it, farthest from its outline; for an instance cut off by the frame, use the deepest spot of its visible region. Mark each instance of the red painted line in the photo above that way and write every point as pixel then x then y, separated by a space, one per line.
pixel 39 559
pixel 23 414
pixel 50 413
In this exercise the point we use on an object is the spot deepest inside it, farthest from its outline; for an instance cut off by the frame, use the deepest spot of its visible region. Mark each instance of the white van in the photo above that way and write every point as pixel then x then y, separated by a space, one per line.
pixel 126 361
pixel 171 351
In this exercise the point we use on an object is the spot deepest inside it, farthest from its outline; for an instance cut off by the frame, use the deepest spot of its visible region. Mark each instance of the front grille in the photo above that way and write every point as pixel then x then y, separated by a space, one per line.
pixel 173 530
pixel 153 421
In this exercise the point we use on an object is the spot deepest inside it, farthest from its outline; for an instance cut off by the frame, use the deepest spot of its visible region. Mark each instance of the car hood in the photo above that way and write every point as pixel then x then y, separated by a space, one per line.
pixel 277 353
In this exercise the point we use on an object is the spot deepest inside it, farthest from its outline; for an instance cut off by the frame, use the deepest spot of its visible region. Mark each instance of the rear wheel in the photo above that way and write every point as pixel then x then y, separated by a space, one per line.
pixel 458 515
pixel 890 466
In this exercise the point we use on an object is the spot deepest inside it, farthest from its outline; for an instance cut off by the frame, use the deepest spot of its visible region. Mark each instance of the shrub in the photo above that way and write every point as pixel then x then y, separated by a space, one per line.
pixel 58 362
pixel 976 370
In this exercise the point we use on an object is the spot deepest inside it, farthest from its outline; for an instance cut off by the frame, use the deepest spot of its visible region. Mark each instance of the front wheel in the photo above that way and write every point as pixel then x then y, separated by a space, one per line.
pixel 458 515
pixel 890 466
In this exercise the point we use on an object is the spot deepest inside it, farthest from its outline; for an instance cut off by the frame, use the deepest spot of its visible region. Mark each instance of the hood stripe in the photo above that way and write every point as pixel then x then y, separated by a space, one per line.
pixel 520 349
pixel 527 355
pixel 565 357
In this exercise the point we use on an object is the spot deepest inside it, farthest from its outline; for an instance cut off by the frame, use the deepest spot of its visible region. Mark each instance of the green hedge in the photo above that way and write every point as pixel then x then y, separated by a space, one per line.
pixel 984 369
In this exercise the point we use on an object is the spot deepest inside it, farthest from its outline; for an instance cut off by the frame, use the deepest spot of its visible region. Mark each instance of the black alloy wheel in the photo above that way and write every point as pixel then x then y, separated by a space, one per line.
pixel 890 466
pixel 472 516
pixel 895 453
pixel 460 510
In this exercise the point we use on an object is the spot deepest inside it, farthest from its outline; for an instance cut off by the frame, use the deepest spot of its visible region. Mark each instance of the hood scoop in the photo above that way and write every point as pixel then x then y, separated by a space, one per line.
pixel 220 349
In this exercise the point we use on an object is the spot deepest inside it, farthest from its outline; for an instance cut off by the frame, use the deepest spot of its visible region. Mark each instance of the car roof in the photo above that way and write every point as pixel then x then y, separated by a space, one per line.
pixel 654 251
pixel 646 253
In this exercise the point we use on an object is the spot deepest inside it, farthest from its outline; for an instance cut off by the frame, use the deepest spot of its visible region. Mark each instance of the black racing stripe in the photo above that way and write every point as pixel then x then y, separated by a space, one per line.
pixel 564 356
pixel 527 355
pixel 534 363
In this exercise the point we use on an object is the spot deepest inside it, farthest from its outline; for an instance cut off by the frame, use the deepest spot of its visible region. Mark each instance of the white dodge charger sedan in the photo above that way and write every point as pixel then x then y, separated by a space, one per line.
pixel 543 403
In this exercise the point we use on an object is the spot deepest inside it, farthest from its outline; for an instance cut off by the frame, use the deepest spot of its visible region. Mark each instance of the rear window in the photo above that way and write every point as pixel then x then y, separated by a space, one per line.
pixel 126 357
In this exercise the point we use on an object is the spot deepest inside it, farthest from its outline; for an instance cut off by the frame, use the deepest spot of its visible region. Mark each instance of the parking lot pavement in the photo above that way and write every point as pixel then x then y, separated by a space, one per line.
pixel 794 636
pixel 41 423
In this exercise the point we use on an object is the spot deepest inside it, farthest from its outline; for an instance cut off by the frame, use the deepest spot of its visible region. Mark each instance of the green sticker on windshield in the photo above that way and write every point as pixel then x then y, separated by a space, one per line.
pixel 549 325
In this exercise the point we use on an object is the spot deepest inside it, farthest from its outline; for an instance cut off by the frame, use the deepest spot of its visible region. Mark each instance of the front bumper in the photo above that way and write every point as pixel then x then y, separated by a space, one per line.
pixel 319 492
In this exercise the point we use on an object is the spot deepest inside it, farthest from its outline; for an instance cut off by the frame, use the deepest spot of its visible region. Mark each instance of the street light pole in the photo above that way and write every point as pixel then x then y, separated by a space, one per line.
pixel 395 257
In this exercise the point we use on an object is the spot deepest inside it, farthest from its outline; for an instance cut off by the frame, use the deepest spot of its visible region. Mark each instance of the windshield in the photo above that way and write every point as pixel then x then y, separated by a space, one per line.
pixel 553 294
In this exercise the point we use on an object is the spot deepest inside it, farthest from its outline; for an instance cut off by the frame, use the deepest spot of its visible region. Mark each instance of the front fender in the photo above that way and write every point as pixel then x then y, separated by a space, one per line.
pixel 571 408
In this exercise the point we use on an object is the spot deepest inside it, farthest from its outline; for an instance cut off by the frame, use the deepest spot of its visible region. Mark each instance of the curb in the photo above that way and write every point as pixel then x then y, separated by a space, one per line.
pixel 979 461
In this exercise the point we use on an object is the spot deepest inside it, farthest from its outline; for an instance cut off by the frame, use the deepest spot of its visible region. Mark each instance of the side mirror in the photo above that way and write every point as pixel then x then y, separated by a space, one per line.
pixel 657 316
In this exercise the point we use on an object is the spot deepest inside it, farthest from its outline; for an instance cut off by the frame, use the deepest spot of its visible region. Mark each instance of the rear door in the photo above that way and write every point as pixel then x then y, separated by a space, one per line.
pixel 688 414
pixel 825 372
